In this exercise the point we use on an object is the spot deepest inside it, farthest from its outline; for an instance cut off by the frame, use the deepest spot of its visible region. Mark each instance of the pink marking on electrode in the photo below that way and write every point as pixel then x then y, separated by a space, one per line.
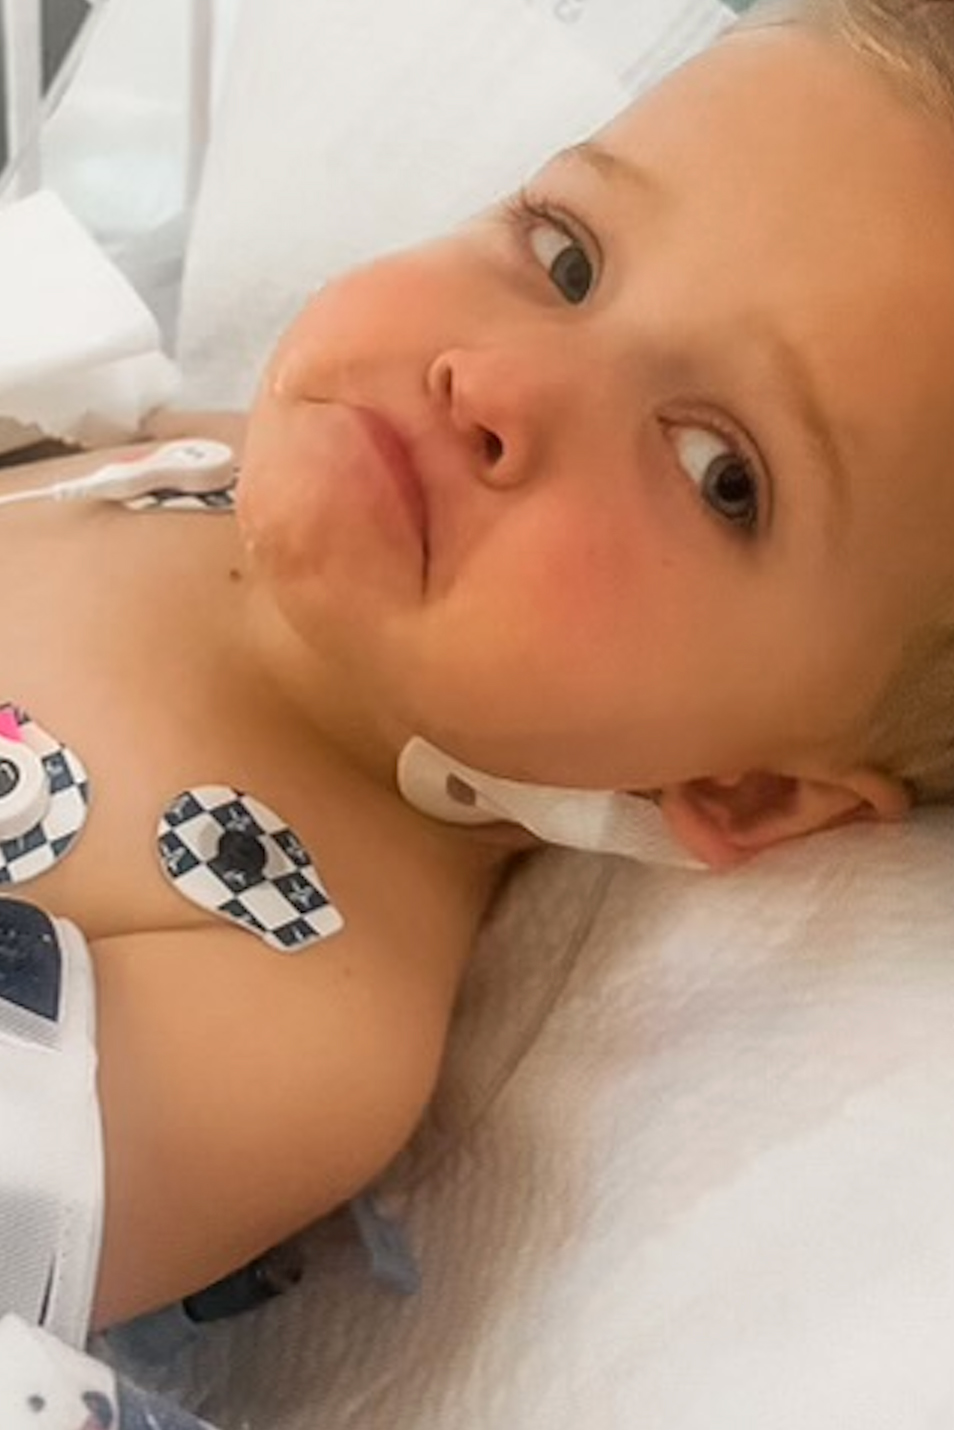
pixel 10 725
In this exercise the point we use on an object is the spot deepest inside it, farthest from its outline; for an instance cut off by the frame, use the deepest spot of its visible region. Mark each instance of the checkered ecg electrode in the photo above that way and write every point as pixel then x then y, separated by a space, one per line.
pixel 228 853
pixel 28 855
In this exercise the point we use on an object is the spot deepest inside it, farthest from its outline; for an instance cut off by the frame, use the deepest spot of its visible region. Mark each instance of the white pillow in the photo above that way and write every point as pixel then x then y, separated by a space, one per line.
pixel 348 127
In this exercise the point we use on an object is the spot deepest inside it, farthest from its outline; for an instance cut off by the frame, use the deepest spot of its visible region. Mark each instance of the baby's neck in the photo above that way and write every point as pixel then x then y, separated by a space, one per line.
pixel 251 661
pixel 296 685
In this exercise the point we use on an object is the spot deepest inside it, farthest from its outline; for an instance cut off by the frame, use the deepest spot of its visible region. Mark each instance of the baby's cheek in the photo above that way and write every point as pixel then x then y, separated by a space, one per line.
pixel 268 490
pixel 351 327
pixel 591 573
pixel 570 604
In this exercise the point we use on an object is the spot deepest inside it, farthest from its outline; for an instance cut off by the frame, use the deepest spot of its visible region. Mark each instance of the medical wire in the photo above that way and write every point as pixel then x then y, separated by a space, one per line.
pixel 194 466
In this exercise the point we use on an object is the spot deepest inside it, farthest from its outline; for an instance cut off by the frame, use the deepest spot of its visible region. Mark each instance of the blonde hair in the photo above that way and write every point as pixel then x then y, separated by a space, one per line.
pixel 910 732
pixel 910 41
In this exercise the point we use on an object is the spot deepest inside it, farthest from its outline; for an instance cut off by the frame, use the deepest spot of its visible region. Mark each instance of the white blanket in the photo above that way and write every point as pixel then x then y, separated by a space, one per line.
pixel 79 350
pixel 716 1191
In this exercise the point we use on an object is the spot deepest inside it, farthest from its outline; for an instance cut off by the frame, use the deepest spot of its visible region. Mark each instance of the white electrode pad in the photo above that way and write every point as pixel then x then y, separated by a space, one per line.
pixel 195 474
pixel 230 854
pixel 44 794
pixel 596 821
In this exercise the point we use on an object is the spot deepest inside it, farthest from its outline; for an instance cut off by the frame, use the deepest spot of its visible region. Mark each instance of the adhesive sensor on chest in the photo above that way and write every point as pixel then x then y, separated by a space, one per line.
pixel 24 787
pixel 228 853
pixel 193 468
pixel 44 797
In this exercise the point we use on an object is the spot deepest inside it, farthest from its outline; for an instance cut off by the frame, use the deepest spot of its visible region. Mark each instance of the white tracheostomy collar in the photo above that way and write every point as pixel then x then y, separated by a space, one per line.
pixel 594 821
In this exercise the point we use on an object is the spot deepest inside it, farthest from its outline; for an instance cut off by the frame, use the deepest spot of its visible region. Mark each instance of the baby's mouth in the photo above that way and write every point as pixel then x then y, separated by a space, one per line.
pixel 398 457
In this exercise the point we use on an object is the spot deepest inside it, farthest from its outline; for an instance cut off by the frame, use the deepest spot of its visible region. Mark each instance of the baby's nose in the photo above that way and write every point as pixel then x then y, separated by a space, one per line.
pixel 507 406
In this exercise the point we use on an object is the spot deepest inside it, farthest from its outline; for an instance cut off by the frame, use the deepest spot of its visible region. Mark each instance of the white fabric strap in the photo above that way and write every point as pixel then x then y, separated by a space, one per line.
pixel 51 1155
pixel 595 821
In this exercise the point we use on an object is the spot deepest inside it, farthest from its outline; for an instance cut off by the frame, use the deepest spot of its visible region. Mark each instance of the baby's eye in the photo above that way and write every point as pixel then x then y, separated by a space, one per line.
pixel 726 479
pixel 571 261
pixel 565 259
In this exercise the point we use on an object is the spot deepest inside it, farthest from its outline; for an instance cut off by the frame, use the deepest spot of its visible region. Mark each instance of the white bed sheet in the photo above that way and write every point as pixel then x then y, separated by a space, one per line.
pixel 714 1194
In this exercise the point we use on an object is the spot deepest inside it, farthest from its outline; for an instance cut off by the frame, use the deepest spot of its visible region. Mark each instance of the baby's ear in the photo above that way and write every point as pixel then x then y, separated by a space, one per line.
pixel 726 821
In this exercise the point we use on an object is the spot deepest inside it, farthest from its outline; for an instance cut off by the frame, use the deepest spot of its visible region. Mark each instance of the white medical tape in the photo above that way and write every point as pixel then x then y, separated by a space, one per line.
pixel 51 1150
pixel 593 821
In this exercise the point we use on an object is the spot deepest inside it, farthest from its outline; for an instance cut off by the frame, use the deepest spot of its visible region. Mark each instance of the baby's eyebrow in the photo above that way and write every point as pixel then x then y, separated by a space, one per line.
pixel 614 168
pixel 798 384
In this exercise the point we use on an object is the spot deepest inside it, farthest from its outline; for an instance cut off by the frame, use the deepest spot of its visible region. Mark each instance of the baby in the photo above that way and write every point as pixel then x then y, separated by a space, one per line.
pixel 637 482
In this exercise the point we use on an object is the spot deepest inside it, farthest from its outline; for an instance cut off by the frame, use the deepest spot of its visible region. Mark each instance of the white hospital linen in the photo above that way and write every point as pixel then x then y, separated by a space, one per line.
pixel 79 351
pixel 716 1191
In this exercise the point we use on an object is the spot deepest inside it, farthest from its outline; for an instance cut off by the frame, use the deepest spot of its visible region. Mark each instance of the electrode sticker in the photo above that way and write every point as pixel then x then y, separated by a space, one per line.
pixel 168 499
pixel 228 853
pixel 64 807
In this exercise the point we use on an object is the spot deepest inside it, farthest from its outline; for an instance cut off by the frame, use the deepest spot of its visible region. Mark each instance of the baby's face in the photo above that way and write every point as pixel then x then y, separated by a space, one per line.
pixel 674 467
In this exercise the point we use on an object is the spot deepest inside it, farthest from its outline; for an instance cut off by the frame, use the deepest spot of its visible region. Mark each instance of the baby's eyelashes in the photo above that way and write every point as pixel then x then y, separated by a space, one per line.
pixel 557 244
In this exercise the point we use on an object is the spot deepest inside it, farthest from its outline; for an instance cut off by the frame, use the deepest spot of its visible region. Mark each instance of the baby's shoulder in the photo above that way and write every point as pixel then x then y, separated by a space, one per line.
pixel 231 1077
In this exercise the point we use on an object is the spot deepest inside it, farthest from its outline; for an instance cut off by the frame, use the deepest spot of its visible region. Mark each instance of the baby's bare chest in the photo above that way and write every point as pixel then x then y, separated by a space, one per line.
pixel 110 642
pixel 107 660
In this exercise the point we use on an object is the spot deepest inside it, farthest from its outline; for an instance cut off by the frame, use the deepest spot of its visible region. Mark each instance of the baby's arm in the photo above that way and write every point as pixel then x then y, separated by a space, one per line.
pixel 245 1093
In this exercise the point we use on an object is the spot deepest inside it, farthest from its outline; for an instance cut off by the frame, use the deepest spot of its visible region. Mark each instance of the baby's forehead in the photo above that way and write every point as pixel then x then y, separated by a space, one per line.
pixel 786 79
pixel 783 135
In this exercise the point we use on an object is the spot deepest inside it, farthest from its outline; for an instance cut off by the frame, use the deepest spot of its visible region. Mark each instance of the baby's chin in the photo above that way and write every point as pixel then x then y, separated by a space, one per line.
pixel 248 504
pixel 270 499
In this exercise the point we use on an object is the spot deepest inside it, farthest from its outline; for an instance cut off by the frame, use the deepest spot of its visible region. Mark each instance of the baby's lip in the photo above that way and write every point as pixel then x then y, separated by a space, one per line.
pixel 398 458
